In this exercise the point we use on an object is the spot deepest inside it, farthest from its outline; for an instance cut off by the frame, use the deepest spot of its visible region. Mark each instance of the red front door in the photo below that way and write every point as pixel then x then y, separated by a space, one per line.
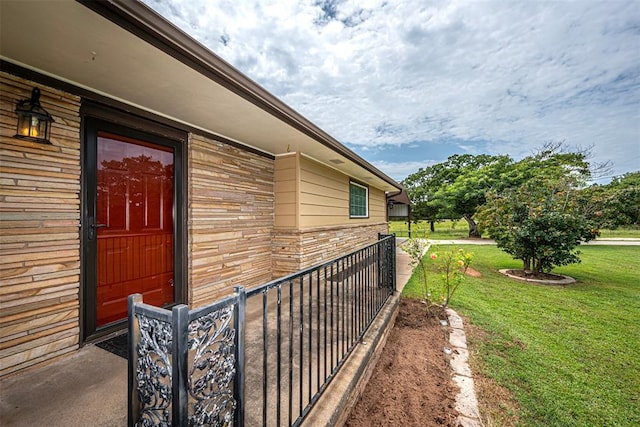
pixel 134 224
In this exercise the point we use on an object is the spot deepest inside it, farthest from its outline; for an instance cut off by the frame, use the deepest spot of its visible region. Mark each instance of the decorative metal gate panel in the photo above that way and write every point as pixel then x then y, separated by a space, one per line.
pixel 186 367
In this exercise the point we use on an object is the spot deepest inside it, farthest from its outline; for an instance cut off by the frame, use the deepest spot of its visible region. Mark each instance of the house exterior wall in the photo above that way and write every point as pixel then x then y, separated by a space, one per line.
pixel 39 231
pixel 231 217
pixel 286 189
pixel 294 250
pixel 324 198
pixel 317 226
pixel 398 210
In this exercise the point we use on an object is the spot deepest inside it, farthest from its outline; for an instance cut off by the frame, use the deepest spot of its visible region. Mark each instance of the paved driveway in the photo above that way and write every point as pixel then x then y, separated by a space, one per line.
pixel 620 241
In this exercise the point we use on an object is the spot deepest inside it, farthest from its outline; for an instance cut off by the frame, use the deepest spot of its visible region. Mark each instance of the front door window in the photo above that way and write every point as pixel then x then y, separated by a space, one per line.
pixel 134 224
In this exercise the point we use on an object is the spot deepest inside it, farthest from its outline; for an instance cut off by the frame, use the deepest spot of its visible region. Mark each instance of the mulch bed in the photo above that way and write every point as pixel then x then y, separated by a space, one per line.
pixel 411 384
pixel 538 276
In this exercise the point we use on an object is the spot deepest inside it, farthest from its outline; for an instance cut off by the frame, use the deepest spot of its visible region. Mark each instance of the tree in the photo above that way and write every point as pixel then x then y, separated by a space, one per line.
pixel 621 201
pixel 539 219
pixel 454 188
pixel 474 177
pixel 421 187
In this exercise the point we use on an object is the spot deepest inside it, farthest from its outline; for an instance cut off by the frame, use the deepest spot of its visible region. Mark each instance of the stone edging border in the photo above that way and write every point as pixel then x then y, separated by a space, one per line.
pixel 466 402
pixel 565 281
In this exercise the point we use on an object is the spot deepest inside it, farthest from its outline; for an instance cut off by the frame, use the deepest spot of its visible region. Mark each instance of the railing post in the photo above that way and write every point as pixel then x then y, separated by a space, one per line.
pixel 380 251
pixel 134 339
pixel 393 262
pixel 180 353
pixel 238 382
pixel 389 257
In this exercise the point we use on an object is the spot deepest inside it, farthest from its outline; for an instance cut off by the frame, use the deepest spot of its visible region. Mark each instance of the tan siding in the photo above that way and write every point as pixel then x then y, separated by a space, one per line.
pixel 320 210
pixel 324 198
pixel 377 205
pixel 286 187
pixel 231 219
pixel 39 236
pixel 314 193
pixel 327 178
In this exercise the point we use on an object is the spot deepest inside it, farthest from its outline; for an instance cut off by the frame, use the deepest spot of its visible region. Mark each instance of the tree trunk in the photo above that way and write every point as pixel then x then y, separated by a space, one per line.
pixel 473 227
pixel 536 266
pixel 433 226
pixel 526 264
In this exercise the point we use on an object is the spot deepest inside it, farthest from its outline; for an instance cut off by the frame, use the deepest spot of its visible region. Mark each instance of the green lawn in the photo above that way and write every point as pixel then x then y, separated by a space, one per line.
pixel 569 355
pixel 621 232
pixel 448 229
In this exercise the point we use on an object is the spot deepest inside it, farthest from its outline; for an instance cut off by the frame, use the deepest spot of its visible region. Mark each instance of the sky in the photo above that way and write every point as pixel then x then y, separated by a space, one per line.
pixel 408 83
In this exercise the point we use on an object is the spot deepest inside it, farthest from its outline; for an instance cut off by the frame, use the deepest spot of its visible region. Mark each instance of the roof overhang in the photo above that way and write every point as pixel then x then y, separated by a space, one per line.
pixel 400 197
pixel 125 51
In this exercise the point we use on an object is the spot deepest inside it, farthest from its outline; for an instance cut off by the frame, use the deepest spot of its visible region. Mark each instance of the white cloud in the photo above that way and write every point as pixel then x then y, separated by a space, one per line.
pixel 515 74
pixel 400 170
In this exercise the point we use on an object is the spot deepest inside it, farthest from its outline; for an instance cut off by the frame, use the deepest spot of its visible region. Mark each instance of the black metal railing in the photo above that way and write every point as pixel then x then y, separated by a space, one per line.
pixel 309 323
pixel 267 353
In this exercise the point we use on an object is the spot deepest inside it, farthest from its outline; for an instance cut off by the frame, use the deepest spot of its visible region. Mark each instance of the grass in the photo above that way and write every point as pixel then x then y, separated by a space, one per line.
pixel 621 232
pixel 448 229
pixel 570 356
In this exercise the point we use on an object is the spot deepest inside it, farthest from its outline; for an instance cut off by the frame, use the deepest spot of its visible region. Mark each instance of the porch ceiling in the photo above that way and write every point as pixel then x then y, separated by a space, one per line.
pixel 162 70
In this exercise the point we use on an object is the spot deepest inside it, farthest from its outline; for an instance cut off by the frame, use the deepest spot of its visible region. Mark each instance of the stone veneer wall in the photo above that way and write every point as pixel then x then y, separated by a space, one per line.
pixel 231 218
pixel 39 235
pixel 294 250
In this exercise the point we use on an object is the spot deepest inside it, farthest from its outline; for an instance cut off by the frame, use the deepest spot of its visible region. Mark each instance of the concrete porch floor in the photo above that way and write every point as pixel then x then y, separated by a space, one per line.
pixel 88 388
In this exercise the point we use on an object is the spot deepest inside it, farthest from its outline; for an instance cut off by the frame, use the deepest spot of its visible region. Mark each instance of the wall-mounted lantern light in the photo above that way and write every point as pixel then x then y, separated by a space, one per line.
pixel 34 122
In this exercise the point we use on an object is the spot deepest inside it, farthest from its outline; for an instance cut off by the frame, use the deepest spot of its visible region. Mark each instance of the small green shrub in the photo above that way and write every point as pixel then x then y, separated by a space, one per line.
pixel 451 266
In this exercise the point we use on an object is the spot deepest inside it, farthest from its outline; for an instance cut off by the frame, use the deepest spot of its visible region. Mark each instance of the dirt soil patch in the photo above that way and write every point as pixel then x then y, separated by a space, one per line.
pixel 472 273
pixel 411 384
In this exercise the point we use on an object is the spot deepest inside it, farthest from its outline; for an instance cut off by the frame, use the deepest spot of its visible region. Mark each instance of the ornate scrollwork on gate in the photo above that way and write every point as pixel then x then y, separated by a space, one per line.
pixel 154 372
pixel 212 339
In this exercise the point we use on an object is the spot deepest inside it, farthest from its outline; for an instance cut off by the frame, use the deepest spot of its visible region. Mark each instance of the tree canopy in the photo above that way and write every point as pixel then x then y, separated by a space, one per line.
pixel 538 209
pixel 617 203
pixel 539 222
pixel 455 188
